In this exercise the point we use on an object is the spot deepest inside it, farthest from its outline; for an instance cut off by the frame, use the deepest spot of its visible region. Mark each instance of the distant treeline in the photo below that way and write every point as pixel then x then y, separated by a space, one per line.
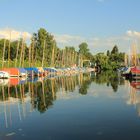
pixel 43 51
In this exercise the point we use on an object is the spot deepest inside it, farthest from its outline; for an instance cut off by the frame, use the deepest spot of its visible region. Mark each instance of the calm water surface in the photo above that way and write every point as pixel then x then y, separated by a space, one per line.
pixel 84 106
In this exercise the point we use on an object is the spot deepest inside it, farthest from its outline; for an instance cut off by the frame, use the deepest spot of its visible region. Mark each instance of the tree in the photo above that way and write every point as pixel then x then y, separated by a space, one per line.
pixel 108 53
pixel 83 49
pixel 42 35
pixel 115 50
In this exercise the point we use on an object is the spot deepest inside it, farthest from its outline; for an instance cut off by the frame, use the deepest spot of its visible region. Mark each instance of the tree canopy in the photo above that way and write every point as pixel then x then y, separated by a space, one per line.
pixel 43 50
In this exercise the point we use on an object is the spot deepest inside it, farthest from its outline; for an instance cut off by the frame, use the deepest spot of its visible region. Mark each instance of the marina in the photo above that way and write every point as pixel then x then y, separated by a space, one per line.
pixel 49 103
pixel 69 70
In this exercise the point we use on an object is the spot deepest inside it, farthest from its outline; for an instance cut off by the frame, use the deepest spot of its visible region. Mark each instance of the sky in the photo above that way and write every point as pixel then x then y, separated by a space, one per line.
pixel 100 23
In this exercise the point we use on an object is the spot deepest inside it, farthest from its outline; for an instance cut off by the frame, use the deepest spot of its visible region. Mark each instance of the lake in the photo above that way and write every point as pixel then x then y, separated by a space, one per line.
pixel 73 107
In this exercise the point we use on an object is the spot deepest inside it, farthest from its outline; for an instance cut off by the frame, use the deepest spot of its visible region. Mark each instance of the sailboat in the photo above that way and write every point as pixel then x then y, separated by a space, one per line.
pixel 132 70
pixel 126 70
pixel 135 71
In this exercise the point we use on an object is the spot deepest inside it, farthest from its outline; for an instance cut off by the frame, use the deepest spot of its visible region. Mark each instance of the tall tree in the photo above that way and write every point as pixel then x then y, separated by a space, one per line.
pixel 115 50
pixel 83 49
pixel 108 53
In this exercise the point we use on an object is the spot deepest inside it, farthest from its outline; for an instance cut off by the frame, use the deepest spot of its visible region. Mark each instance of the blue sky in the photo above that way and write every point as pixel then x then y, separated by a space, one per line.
pixel 101 23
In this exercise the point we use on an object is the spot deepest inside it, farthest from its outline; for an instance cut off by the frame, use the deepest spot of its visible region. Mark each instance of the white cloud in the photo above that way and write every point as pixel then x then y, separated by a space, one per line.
pixel 96 44
pixel 14 34
pixel 100 44
pixel 131 33
pixel 67 38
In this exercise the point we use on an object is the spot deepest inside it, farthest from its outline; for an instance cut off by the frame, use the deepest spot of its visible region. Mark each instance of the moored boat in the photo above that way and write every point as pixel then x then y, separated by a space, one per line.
pixel 13 72
pixel 22 72
pixel 4 75
pixel 32 71
pixel 135 72
pixel 135 84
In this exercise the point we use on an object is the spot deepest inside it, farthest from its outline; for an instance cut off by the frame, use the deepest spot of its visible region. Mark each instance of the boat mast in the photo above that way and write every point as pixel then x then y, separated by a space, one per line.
pixel 9 50
pixel 126 60
pixel 3 52
pixel 23 55
pixel 24 39
pixel 21 52
pixel 52 60
pixel 17 53
pixel 32 53
pixel 43 52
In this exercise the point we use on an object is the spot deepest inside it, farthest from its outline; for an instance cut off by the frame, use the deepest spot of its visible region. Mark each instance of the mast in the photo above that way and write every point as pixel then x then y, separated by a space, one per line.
pixel 17 53
pixel 9 50
pixel 43 52
pixel 129 59
pixel 30 56
pixel 24 38
pixel 32 52
pixel 3 53
pixel 134 55
pixel 21 53
pixel 52 60
pixel 125 60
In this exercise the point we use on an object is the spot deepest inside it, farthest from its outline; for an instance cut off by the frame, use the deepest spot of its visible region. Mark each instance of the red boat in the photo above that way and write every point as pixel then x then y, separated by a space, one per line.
pixel 13 81
pixel 13 72
pixel 135 84
pixel 135 72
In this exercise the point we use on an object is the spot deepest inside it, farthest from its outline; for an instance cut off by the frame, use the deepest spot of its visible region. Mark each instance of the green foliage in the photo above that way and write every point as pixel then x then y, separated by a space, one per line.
pixel 115 50
pixel 110 61
pixel 83 49
pixel 43 42
pixel 108 53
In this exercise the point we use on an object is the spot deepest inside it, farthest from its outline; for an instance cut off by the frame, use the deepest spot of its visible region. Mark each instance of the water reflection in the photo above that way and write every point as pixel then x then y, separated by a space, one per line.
pixel 21 97
pixel 134 94
pixel 39 89
pixel 110 79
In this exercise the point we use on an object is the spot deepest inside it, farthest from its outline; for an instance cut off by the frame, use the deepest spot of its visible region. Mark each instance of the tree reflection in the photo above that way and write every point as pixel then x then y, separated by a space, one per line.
pixel 85 84
pixel 110 78
pixel 43 92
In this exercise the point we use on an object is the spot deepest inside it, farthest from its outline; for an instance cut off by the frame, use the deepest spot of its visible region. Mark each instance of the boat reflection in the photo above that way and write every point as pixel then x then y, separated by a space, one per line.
pixel 4 82
pixel 134 91
pixel 27 95
pixel 21 97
